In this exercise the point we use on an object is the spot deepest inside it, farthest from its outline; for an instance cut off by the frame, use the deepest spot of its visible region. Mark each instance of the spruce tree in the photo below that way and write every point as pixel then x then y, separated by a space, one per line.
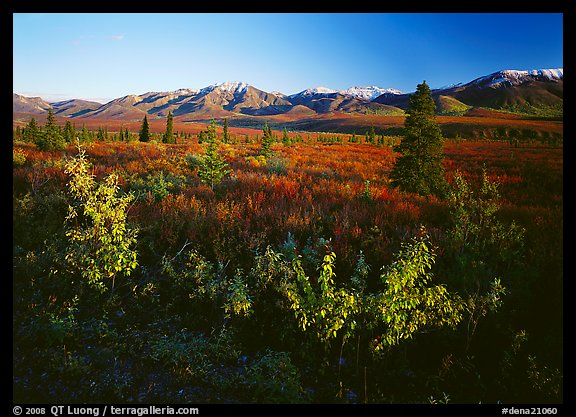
pixel 84 135
pixel 31 131
pixel 267 141
pixel 51 138
pixel 69 132
pixel 286 139
pixel 145 130
pixel 418 168
pixel 16 133
pixel 212 166
pixel 169 134
pixel 371 136
pixel 225 134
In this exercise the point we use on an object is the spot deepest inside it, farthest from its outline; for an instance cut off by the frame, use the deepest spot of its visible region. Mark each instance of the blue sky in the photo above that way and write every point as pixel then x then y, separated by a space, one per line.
pixel 104 56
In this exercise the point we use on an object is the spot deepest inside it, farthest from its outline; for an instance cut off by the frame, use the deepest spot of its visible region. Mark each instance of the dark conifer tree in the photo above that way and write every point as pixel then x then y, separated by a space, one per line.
pixel 267 140
pixel 212 167
pixel 286 139
pixel 31 131
pixel 418 168
pixel 51 138
pixel 69 132
pixel 145 130
pixel 84 134
pixel 169 134
pixel 225 134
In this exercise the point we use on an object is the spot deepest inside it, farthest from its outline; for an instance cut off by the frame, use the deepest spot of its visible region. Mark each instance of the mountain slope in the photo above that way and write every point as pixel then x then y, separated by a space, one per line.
pixel 21 104
pixel 499 90
pixel 449 105
pixel 368 93
pixel 507 89
pixel 353 99
pixel 120 108
pixel 75 107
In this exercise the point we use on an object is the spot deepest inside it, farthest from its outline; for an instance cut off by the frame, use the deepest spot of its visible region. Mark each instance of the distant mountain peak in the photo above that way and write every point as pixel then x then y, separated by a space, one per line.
pixel 230 86
pixel 186 91
pixel 510 77
pixel 496 90
pixel 358 92
pixel 314 91
pixel 447 87
pixel 368 93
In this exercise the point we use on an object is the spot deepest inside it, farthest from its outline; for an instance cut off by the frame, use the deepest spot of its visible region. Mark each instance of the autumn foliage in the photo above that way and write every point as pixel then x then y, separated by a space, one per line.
pixel 300 275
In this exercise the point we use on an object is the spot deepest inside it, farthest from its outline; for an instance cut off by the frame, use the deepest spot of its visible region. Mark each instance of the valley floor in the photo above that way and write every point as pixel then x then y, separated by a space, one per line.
pixel 208 314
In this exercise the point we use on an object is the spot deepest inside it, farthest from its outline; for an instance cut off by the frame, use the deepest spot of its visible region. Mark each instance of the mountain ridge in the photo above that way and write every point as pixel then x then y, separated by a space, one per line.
pixel 501 89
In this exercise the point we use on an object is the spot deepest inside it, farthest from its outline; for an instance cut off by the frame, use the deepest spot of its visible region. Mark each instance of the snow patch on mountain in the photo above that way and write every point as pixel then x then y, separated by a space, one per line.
pixel 517 77
pixel 314 91
pixel 447 87
pixel 233 86
pixel 368 93
pixel 186 92
pixel 363 93
pixel 230 86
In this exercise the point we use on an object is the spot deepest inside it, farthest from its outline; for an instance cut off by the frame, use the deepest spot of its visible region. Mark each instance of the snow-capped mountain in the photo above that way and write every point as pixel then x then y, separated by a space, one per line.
pixel 502 89
pixel 229 86
pixel 186 91
pixel 447 87
pixel 313 91
pixel 368 93
pixel 538 87
pixel 508 78
pixel 362 93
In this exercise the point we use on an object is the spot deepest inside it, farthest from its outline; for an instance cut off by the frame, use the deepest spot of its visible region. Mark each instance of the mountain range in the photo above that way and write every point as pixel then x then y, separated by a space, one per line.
pixel 498 90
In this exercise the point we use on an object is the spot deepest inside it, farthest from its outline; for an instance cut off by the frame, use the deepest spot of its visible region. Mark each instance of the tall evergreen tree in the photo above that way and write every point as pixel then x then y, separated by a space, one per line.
pixel 286 139
pixel 371 135
pixel 84 135
pixel 31 131
pixel 16 133
pixel 145 130
pixel 419 168
pixel 267 140
pixel 225 134
pixel 100 136
pixel 212 166
pixel 51 138
pixel 69 132
pixel 169 134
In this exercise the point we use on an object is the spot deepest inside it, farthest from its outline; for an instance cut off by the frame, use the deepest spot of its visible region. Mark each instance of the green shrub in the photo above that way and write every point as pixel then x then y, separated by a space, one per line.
pixel 273 378
pixel 99 239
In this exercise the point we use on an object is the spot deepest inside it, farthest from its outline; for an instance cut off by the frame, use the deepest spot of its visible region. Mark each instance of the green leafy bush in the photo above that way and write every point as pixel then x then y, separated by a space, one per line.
pixel 100 242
